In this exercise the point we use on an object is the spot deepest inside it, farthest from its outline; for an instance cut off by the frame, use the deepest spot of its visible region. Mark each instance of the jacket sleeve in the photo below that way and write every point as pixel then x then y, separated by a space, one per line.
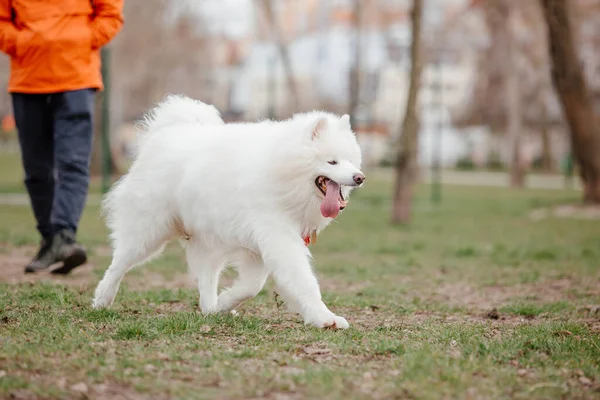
pixel 8 31
pixel 107 22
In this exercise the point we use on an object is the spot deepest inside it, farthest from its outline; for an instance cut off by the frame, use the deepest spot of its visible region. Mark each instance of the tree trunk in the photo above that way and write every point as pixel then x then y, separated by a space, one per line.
pixel 284 54
pixel 355 72
pixel 513 104
pixel 406 159
pixel 547 160
pixel 515 128
pixel 574 95
pixel 96 161
pixel 96 157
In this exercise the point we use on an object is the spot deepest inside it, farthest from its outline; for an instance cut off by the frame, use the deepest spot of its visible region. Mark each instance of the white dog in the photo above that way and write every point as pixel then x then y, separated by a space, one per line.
pixel 242 194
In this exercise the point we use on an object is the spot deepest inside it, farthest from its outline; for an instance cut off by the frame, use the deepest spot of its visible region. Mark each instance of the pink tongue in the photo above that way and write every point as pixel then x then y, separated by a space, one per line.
pixel 330 207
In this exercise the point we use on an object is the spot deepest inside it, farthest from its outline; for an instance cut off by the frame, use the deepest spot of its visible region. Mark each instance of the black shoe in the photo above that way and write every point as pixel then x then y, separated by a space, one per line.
pixel 44 258
pixel 67 250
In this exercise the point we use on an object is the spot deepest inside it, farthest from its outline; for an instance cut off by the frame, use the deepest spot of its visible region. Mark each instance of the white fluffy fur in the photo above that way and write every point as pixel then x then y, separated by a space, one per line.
pixel 244 193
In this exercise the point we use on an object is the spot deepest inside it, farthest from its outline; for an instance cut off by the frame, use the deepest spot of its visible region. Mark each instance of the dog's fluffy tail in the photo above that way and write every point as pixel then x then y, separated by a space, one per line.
pixel 174 110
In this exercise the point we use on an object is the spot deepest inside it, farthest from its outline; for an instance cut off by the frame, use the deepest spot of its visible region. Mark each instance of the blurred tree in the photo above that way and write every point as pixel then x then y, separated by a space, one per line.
pixel 96 162
pixel 546 159
pixel 355 70
pixel 504 80
pixel 572 88
pixel 513 93
pixel 130 67
pixel 406 166
pixel 283 53
pixel 514 99
pixel 541 111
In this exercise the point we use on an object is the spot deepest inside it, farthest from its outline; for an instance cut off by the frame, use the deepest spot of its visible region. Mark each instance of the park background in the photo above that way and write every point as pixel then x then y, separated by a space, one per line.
pixel 467 265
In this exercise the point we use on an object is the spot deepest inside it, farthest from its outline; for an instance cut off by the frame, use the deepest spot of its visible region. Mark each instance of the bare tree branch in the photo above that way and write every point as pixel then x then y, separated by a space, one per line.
pixel 406 159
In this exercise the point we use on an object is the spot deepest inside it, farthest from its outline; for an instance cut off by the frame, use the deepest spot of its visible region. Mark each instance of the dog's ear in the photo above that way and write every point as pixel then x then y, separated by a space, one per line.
pixel 345 121
pixel 319 127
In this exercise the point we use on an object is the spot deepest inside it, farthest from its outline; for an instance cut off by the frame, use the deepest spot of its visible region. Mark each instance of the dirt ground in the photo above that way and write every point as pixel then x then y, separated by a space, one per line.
pixel 13 261
pixel 482 302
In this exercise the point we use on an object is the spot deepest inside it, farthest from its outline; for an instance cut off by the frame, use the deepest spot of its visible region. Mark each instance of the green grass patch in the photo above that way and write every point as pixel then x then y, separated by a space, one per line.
pixel 417 298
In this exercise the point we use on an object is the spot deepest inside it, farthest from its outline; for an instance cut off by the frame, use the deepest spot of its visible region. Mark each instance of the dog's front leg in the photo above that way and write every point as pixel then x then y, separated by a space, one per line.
pixel 287 260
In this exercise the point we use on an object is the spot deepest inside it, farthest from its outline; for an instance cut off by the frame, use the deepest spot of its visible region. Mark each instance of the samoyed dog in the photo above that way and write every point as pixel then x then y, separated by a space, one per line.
pixel 246 195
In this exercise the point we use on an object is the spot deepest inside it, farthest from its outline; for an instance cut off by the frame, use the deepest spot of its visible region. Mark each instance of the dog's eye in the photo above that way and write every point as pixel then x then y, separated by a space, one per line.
pixel 332 162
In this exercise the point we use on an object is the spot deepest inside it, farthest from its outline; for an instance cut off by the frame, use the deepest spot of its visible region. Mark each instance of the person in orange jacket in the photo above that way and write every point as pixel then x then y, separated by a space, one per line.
pixel 55 72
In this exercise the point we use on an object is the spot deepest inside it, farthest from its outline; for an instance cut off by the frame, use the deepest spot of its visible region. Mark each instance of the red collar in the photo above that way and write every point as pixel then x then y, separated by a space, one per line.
pixel 310 238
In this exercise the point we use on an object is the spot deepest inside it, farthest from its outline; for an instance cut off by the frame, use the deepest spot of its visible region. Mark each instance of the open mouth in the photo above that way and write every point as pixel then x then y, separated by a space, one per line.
pixel 333 201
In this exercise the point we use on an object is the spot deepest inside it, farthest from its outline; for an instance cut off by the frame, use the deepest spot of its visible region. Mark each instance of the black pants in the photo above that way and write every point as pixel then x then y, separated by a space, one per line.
pixel 55 133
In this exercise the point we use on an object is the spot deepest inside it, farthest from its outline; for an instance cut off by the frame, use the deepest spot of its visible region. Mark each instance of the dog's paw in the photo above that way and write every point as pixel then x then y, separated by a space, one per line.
pixel 330 321
pixel 99 303
pixel 338 323
pixel 103 299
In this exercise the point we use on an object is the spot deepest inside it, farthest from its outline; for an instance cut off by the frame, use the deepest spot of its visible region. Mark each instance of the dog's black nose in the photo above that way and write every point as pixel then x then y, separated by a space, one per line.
pixel 359 178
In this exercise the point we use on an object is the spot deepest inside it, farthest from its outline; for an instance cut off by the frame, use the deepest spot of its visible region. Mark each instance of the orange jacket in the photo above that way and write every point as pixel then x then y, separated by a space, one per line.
pixel 54 44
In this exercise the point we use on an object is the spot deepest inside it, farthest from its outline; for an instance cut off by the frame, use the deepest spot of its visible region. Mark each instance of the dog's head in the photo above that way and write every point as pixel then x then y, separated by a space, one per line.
pixel 337 162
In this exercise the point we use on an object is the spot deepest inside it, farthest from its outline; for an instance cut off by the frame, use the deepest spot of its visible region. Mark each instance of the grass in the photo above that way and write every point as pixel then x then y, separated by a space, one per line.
pixel 472 300
pixel 11 174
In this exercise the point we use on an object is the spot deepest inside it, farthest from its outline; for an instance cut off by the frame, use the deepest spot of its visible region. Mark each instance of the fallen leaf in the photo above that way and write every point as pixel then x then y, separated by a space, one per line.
pixel 205 328
pixel 313 350
pixel 374 307
pixel 149 368
pixel 585 381
pixel 493 314
pixel 563 333
pixel 100 388
pixel 20 395
pixel 522 372
pixel 80 387
pixel 590 309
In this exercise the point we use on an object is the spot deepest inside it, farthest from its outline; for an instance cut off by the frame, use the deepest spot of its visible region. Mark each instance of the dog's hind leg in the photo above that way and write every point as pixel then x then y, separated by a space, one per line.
pixel 205 266
pixel 133 245
pixel 252 276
